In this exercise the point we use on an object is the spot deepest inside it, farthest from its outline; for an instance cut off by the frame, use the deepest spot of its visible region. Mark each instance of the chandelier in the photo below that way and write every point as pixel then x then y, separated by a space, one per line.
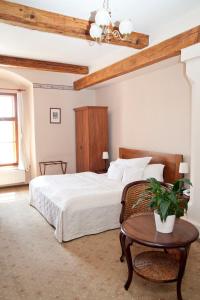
pixel 103 28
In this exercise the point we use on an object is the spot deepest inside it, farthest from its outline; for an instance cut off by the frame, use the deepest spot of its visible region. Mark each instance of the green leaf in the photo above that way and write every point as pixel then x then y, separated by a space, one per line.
pixel 178 185
pixel 166 200
pixel 164 206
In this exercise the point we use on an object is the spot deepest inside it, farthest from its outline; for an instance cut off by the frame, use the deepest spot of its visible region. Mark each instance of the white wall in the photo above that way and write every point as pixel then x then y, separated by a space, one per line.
pixel 57 141
pixel 191 57
pixel 54 141
pixel 151 111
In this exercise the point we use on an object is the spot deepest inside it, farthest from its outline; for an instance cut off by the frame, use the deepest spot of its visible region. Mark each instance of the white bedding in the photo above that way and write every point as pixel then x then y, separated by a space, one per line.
pixel 77 204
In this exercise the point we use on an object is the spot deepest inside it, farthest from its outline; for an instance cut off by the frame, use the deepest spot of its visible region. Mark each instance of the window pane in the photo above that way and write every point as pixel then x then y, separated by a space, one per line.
pixel 7 142
pixel 7 106
pixel 7 153
pixel 7 132
pixel 8 138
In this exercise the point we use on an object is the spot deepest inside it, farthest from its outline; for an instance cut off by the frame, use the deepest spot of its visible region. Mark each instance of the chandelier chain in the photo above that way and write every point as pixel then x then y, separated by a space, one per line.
pixel 106 5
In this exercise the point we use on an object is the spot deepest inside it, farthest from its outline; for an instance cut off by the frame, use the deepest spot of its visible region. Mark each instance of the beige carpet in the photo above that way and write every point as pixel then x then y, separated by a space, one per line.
pixel 34 266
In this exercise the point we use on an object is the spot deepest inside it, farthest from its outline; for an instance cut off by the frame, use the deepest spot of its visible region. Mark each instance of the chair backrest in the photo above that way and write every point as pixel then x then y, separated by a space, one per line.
pixel 133 192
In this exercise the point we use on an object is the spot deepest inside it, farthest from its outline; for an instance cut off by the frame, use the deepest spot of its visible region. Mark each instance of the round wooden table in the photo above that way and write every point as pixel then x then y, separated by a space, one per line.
pixel 157 266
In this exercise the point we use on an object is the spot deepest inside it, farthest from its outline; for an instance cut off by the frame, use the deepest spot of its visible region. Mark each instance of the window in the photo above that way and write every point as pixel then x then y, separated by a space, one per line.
pixel 8 130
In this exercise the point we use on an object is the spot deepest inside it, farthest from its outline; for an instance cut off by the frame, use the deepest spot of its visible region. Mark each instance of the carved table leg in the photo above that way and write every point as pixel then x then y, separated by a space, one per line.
pixel 183 259
pixel 63 167
pixel 122 242
pixel 127 242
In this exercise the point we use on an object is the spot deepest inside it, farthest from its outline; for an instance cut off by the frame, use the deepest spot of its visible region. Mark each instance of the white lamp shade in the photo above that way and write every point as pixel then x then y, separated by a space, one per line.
pixel 105 155
pixel 126 27
pixel 102 17
pixel 183 168
pixel 95 31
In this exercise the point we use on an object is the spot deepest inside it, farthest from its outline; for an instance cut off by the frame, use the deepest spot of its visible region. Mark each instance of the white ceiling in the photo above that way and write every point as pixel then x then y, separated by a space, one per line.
pixel 148 16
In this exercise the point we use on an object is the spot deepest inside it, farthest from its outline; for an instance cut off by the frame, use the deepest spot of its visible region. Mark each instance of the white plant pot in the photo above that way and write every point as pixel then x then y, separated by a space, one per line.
pixel 166 226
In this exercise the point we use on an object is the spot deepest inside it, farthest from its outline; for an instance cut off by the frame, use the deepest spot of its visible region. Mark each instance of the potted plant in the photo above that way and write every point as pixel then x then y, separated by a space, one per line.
pixel 167 203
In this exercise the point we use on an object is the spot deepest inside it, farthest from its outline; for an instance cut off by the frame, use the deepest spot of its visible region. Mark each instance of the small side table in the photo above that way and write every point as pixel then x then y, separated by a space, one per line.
pixel 157 266
pixel 44 164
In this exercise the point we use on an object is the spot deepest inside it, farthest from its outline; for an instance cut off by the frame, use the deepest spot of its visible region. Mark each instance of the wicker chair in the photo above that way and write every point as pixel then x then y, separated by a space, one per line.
pixel 131 194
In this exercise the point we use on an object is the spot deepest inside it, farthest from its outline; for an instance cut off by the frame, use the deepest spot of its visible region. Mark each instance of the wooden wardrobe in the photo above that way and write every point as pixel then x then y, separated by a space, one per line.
pixel 91 137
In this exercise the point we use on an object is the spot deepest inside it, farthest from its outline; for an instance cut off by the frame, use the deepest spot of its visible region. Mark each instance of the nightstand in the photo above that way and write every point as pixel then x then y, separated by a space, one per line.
pixel 100 171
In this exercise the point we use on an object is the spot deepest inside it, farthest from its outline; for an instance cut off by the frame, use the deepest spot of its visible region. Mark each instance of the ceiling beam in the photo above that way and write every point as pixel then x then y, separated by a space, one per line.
pixel 37 19
pixel 42 65
pixel 149 56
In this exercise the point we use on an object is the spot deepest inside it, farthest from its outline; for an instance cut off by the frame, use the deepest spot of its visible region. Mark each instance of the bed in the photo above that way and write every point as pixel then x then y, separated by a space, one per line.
pixel 88 203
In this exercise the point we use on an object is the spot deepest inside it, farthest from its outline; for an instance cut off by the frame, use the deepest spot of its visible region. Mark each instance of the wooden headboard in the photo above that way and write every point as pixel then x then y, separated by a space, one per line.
pixel 171 161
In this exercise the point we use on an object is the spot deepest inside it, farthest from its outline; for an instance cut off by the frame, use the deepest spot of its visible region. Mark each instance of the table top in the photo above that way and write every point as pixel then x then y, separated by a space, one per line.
pixel 142 229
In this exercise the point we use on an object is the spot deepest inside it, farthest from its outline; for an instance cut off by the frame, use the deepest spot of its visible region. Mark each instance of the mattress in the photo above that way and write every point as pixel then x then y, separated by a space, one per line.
pixel 77 204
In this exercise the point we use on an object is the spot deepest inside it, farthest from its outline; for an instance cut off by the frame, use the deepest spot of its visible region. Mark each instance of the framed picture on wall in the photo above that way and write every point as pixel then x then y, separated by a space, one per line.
pixel 55 115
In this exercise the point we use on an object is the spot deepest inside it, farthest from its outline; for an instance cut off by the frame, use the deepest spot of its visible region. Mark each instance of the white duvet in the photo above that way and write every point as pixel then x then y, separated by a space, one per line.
pixel 77 204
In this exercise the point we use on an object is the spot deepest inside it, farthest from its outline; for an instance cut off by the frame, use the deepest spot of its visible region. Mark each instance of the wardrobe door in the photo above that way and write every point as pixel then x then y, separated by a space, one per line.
pixel 82 144
pixel 98 137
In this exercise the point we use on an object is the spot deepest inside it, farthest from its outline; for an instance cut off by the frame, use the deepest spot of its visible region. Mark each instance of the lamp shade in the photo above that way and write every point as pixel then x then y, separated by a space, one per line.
pixel 102 17
pixel 183 168
pixel 126 27
pixel 95 31
pixel 105 155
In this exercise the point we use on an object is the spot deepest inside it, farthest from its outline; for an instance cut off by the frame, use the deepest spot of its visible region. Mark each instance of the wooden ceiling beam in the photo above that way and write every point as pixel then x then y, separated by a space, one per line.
pixel 149 56
pixel 37 19
pixel 42 65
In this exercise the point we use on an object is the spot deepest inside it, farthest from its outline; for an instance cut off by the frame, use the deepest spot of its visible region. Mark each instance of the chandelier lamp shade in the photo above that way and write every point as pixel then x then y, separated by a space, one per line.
pixel 125 27
pixel 103 17
pixel 95 31
pixel 103 28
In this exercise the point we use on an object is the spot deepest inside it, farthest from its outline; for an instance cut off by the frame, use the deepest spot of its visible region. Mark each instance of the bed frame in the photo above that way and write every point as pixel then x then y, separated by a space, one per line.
pixel 171 161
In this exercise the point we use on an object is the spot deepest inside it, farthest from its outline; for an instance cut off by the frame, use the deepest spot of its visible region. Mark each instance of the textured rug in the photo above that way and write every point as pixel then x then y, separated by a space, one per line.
pixel 34 266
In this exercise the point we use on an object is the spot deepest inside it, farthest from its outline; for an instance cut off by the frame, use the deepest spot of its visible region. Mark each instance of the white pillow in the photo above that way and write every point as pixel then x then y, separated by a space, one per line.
pixel 154 171
pixel 132 174
pixel 115 171
pixel 137 163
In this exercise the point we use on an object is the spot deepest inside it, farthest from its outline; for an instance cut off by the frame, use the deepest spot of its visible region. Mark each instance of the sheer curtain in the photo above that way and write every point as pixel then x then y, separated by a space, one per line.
pixel 23 137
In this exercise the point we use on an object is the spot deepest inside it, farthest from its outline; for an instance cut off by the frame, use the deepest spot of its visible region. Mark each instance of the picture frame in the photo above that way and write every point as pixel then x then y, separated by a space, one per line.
pixel 55 115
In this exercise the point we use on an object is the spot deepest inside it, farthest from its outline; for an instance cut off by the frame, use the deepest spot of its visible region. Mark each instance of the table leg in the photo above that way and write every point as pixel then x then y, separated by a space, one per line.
pixel 42 168
pixel 122 241
pixel 183 259
pixel 40 165
pixel 126 243
pixel 64 167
